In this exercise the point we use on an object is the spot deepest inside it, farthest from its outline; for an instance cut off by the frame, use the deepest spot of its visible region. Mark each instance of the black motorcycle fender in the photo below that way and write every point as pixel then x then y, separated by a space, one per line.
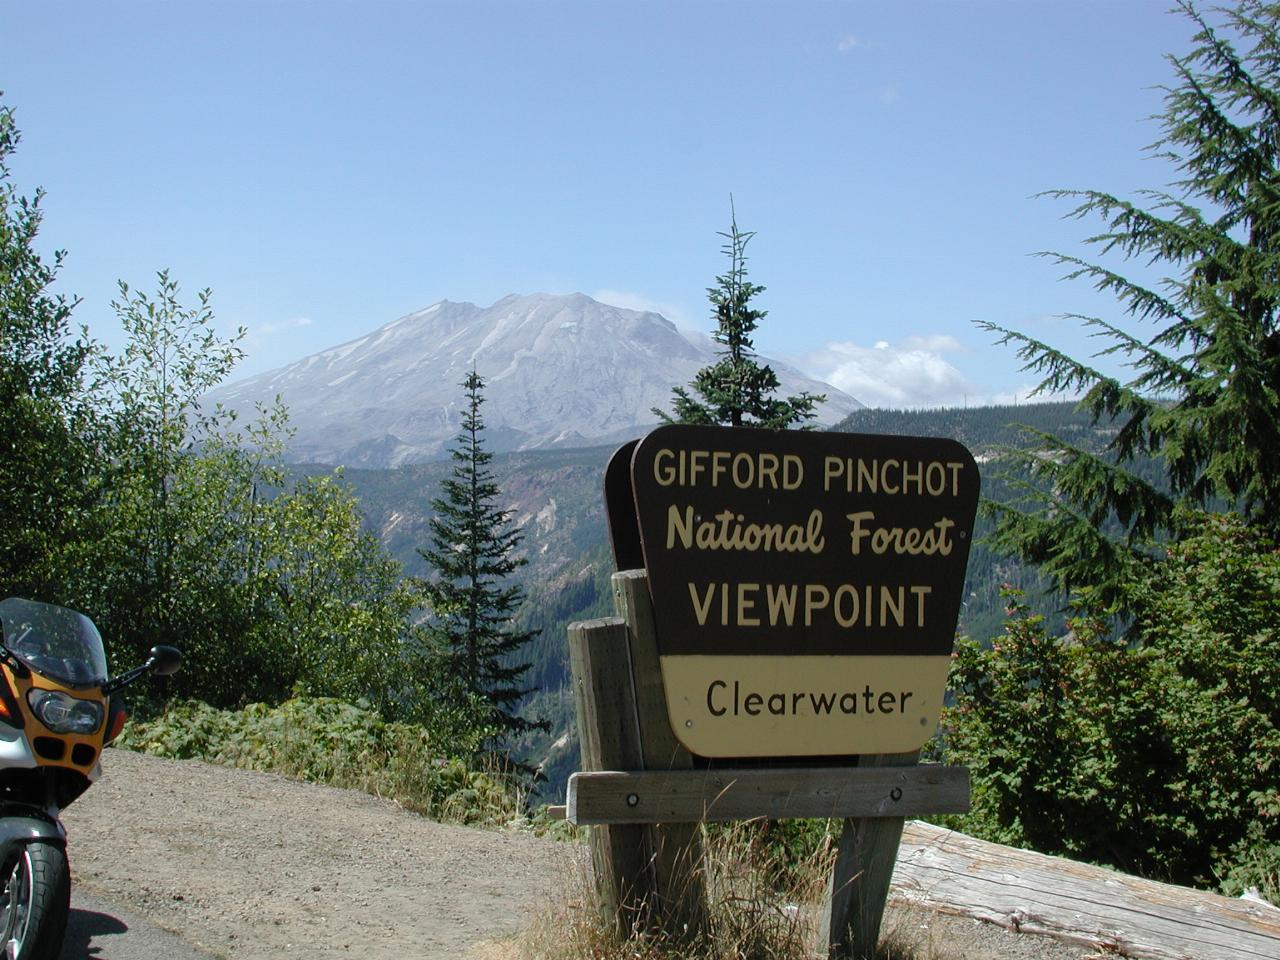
pixel 19 830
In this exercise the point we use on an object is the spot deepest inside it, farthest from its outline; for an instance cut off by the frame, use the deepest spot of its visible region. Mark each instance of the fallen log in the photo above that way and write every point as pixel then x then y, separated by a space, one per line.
pixel 1086 905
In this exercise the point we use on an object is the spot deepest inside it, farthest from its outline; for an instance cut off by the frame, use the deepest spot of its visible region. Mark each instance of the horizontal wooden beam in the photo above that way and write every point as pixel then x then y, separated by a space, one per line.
pixel 690 796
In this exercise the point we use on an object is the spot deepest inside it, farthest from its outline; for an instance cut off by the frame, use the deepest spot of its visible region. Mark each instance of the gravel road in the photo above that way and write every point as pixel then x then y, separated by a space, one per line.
pixel 99 930
pixel 254 866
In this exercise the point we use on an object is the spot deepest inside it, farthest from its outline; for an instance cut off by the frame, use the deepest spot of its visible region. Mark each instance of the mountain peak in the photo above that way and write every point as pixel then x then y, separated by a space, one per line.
pixel 561 369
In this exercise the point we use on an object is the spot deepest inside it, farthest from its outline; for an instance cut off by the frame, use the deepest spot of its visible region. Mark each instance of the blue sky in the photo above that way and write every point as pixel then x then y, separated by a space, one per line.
pixel 327 166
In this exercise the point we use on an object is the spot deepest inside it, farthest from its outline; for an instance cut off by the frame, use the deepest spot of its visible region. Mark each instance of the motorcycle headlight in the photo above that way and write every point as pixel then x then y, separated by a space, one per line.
pixel 65 714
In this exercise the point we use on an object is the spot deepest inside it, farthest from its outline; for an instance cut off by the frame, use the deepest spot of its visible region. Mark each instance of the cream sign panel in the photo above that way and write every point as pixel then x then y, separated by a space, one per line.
pixel 805 585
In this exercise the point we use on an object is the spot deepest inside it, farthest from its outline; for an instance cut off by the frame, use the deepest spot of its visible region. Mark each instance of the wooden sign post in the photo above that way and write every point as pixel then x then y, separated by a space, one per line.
pixel 650 875
pixel 799 600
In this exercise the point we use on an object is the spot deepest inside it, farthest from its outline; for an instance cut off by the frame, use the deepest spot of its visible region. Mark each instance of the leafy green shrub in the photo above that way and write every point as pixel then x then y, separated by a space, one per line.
pixel 1157 755
pixel 324 740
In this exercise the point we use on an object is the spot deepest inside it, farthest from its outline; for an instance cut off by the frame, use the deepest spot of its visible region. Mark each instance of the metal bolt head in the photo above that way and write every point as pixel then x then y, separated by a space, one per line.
pixel 895 794
pixel 632 800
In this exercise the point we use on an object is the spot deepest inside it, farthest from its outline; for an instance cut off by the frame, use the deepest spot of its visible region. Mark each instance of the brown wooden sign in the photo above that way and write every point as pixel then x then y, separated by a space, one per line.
pixel 805 585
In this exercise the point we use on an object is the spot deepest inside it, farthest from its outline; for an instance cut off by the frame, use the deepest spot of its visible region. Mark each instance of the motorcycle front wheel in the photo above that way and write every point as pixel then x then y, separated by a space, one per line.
pixel 34 903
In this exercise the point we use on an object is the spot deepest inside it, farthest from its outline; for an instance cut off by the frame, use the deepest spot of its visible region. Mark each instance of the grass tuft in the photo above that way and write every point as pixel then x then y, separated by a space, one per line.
pixel 759 908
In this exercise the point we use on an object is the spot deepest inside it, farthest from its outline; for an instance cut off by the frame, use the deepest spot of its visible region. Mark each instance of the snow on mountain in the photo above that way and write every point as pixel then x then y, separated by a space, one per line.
pixel 559 370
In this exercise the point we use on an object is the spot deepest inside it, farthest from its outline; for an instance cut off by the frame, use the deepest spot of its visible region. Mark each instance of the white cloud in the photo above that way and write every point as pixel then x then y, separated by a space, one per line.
pixel 849 42
pixel 292 324
pixel 267 329
pixel 912 373
pixel 263 336
pixel 638 301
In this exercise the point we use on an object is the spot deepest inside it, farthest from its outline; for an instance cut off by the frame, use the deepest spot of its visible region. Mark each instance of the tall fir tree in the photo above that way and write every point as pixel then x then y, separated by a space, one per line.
pixel 1156 753
pixel 1204 398
pixel 738 390
pixel 473 645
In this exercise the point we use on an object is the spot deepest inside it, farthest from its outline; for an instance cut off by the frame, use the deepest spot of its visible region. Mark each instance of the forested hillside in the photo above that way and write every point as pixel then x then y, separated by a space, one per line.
pixel 984 430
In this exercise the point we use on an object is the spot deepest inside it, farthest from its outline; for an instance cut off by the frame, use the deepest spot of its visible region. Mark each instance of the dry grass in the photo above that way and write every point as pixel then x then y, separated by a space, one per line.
pixel 758 909
pixel 904 938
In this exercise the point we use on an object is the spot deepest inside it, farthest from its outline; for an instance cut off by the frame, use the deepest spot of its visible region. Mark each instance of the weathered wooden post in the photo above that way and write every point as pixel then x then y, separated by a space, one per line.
pixel 609 735
pixel 651 875
pixel 798 600
pixel 859 889
pixel 680 882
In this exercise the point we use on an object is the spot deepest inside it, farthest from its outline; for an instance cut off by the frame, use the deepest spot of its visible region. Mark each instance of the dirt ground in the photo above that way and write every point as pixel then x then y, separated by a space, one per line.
pixel 255 866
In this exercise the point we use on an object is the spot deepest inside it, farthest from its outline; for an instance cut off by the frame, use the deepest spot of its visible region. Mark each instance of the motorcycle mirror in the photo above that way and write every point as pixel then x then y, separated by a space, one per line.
pixel 164 661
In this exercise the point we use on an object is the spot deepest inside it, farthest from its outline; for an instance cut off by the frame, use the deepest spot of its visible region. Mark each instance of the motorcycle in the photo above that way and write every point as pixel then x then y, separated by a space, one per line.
pixel 57 713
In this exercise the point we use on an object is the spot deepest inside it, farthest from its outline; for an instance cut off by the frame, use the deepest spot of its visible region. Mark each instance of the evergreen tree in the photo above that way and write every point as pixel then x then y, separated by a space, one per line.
pixel 1204 397
pixel 472 642
pixel 737 390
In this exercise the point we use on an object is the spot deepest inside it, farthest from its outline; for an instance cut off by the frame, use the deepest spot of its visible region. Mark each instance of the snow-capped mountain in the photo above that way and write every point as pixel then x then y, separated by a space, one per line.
pixel 563 370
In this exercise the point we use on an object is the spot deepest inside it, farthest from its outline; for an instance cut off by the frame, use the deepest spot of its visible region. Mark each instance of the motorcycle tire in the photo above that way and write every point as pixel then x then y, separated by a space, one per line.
pixel 34 903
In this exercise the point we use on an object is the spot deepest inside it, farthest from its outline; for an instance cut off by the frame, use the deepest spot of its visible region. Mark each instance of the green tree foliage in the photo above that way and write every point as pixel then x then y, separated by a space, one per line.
pixel 738 390
pixel 268 586
pixel 1156 751
pixel 172 356
pixel 122 497
pixel 47 428
pixel 474 649
pixel 1158 757
pixel 281 590
pixel 1204 397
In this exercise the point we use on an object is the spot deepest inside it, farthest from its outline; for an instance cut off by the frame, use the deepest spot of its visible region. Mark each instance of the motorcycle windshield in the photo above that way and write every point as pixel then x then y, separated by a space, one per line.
pixel 54 641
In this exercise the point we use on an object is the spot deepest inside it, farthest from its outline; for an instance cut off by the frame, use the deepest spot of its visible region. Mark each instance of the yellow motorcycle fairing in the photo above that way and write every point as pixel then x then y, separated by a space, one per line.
pixel 73 751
